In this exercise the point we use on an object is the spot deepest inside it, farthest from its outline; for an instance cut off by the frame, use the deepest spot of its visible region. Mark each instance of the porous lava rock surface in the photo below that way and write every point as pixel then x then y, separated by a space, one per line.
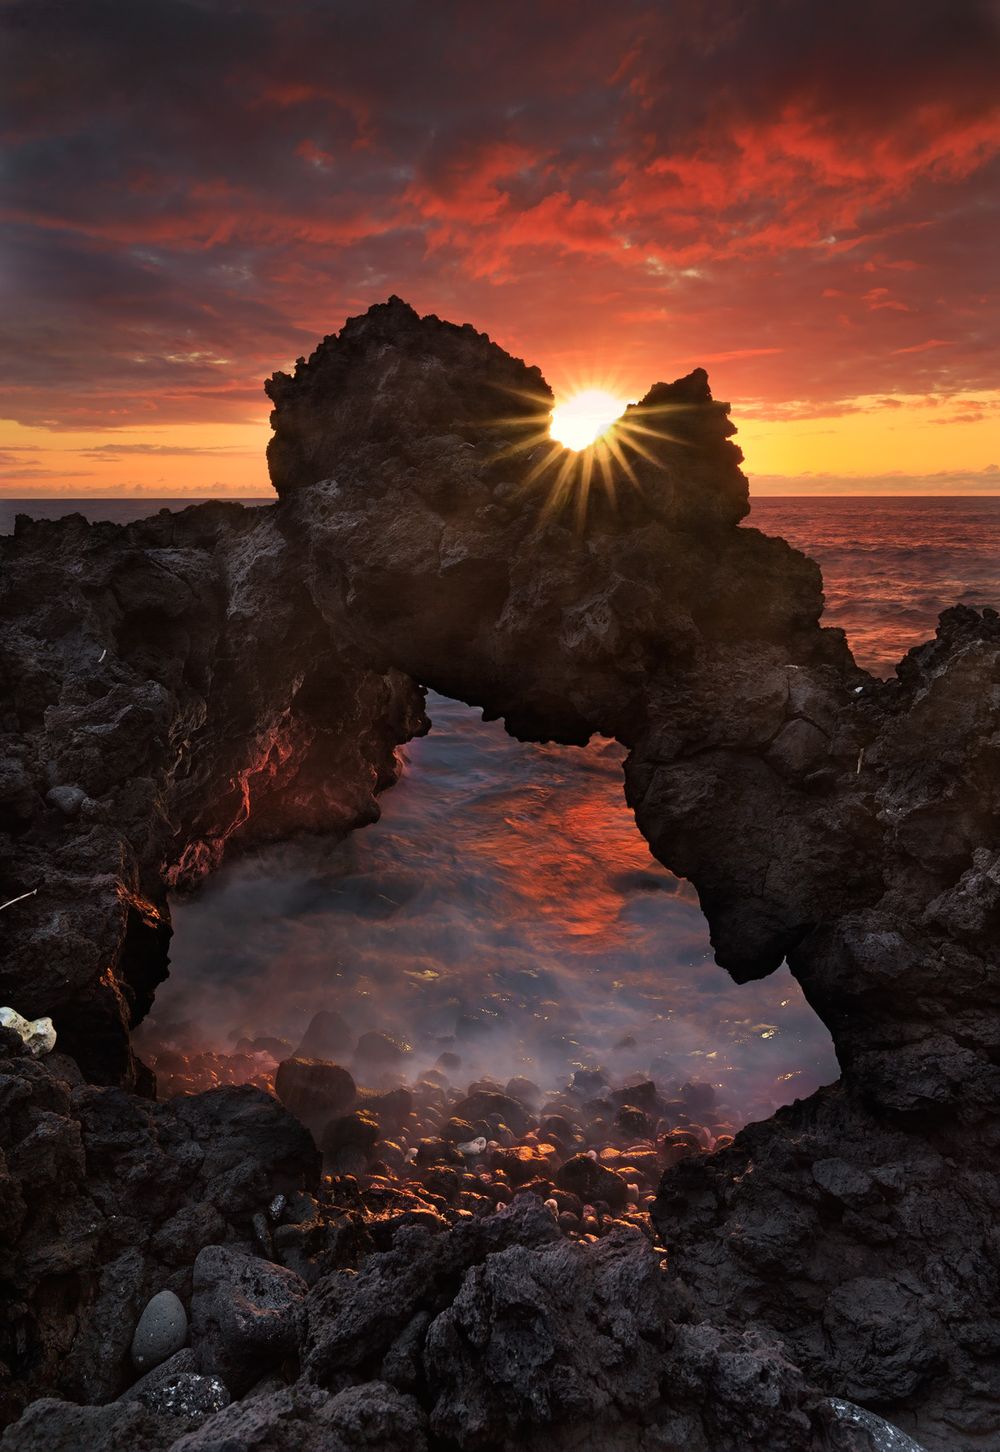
pixel 424 534
pixel 167 692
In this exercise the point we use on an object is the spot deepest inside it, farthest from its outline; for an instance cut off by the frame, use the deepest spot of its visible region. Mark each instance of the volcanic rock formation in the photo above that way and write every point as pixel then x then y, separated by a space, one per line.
pixel 168 690
pixel 258 670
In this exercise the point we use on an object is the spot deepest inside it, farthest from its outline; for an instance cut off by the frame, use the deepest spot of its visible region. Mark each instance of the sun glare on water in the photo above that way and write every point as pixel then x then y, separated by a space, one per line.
pixel 583 418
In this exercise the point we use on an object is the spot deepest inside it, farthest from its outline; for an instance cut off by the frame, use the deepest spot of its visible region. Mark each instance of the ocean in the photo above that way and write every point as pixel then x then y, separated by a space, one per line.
pixel 505 905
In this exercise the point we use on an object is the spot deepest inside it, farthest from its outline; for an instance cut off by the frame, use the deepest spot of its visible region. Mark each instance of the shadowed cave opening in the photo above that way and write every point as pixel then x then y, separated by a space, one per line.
pixel 504 910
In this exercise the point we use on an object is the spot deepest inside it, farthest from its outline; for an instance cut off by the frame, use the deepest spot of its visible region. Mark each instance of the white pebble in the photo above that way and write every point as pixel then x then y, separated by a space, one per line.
pixel 37 1033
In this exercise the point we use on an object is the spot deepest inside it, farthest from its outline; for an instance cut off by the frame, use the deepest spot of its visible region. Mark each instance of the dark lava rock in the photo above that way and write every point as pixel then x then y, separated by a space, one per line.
pixel 391 1108
pixel 314 1090
pixel 302 1418
pixel 49 1425
pixel 590 1081
pixel 224 676
pixel 488 1104
pixel 112 1207
pixel 354 1320
pixel 592 1181
pixel 327 1037
pixel 176 695
pixel 380 1050
pixel 359 1130
pixel 246 1315
pixel 644 1095
pixel 633 1122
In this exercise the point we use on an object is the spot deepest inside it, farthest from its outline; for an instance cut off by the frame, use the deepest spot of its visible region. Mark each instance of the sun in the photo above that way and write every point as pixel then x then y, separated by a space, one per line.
pixel 592 439
pixel 584 417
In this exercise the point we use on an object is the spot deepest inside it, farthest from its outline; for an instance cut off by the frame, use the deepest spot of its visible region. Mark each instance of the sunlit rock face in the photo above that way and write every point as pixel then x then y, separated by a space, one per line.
pixel 169 692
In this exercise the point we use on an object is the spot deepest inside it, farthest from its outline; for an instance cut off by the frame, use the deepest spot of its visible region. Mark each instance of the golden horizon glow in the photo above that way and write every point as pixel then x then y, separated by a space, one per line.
pixel 919 444
pixel 584 417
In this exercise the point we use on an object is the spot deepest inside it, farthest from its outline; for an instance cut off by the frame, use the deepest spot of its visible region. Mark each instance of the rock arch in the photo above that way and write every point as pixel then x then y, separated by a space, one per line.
pixel 259 670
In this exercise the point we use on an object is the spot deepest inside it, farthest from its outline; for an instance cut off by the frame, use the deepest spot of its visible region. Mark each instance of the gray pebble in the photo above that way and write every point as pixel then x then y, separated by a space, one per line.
pixel 161 1331
pixel 69 799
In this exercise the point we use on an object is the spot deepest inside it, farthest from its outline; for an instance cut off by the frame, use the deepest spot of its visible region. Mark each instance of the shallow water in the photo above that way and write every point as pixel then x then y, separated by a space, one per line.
pixel 507 908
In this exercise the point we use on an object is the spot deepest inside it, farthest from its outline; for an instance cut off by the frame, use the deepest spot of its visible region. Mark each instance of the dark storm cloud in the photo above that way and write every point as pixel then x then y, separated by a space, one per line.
pixel 198 189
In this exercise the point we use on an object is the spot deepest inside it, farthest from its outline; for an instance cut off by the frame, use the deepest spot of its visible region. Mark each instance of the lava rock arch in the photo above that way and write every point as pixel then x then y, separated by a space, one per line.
pixel 848 824
pixel 259 669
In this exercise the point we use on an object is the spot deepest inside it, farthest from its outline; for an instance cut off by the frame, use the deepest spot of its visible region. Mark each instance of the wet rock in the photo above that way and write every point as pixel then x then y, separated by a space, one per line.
pixel 246 1315
pixel 590 1081
pixel 391 1108
pixel 489 1104
pixel 359 1131
pixel 633 1122
pixel 161 1331
pixel 590 1180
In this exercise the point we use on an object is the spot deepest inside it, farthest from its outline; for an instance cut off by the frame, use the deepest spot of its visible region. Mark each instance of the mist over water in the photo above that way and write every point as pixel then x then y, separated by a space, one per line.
pixel 506 907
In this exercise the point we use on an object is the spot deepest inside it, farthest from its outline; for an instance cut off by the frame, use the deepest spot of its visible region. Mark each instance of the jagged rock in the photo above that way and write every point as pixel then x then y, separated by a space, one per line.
pixel 246 1315
pixel 302 1418
pixel 258 670
pixel 167 695
pixel 186 1394
pixel 57 1426
pixel 353 1320
pixel 182 1362
pixel 885 1438
pixel 93 1184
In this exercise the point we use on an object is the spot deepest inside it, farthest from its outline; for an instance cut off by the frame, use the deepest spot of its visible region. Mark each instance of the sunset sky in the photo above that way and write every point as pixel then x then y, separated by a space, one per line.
pixel 801 197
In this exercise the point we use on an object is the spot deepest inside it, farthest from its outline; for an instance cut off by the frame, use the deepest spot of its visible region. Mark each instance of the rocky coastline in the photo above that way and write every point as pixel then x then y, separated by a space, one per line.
pixel 179 688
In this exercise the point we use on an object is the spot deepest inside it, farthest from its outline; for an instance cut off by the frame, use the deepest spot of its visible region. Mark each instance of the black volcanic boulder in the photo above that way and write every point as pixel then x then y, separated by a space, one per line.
pixel 590 1180
pixel 327 1036
pixel 486 1104
pixel 314 1090
pixel 247 1315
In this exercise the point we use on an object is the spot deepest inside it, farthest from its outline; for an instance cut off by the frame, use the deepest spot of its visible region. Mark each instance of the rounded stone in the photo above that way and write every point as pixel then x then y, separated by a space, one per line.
pixel 161 1332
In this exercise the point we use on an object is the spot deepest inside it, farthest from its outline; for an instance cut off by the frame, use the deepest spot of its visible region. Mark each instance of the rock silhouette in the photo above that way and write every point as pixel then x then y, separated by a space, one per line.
pixel 259 670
